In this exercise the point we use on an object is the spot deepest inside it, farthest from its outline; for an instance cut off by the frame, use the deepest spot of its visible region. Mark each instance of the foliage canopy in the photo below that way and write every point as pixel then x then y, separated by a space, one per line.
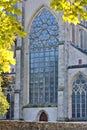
pixel 73 10
pixel 10 28
pixel 3 103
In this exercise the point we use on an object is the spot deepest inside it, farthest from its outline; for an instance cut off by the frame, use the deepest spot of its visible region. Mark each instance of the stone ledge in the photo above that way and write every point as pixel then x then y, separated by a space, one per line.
pixel 77 66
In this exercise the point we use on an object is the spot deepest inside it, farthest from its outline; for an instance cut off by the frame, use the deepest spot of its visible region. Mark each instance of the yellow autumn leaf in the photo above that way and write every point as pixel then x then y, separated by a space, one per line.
pixel 71 8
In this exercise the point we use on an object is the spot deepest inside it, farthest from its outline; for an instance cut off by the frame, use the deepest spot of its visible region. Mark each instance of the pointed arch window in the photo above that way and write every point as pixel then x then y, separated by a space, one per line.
pixel 43 60
pixel 73 33
pixel 79 98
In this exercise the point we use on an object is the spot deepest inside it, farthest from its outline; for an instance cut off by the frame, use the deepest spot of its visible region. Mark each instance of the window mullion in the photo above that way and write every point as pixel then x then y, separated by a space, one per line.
pixel 76 104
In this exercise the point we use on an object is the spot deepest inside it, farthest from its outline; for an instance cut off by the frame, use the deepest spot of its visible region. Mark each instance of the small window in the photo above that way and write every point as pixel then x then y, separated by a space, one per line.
pixel 80 61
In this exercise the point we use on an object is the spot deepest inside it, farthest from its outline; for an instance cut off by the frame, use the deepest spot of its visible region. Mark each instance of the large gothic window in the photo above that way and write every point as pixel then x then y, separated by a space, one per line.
pixel 79 98
pixel 43 48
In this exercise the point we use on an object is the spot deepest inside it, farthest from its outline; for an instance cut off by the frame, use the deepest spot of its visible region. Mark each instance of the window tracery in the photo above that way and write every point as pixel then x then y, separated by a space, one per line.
pixel 79 98
pixel 43 48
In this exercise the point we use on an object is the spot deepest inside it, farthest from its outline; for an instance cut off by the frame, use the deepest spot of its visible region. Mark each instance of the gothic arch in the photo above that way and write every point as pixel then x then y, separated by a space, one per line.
pixel 79 96
pixel 76 75
pixel 41 113
pixel 43 59
pixel 37 12
pixel 43 117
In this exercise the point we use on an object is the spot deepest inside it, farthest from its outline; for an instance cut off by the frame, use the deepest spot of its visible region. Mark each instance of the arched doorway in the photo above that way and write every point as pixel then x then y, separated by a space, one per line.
pixel 43 117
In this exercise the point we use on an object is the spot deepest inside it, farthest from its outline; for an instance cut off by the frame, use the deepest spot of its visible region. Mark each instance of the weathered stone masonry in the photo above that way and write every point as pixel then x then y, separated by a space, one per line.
pixel 21 125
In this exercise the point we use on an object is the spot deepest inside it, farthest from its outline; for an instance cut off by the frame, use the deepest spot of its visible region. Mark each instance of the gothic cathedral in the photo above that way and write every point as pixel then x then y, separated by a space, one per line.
pixel 51 68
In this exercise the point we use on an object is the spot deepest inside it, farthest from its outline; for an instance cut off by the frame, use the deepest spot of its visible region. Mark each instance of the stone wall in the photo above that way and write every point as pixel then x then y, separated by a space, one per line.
pixel 33 114
pixel 21 125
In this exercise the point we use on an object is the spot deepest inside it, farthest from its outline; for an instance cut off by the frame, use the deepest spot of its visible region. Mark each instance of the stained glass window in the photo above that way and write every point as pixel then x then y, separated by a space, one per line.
pixel 43 48
pixel 79 98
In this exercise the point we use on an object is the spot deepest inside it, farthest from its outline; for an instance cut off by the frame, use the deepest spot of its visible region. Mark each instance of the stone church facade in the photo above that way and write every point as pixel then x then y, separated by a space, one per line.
pixel 51 68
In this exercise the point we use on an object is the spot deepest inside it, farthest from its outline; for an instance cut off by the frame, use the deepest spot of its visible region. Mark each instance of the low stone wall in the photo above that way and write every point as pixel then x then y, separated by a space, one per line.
pixel 21 125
